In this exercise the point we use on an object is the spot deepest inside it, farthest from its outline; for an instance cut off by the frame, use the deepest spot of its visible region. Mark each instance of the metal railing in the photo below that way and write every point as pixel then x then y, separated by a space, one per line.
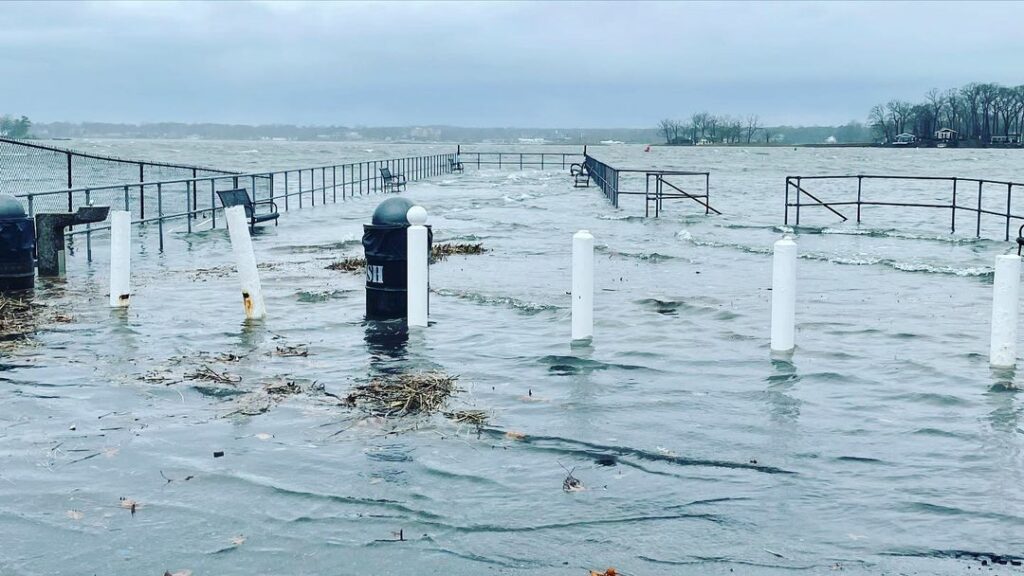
pixel 959 187
pixel 519 160
pixel 32 167
pixel 612 182
pixel 195 198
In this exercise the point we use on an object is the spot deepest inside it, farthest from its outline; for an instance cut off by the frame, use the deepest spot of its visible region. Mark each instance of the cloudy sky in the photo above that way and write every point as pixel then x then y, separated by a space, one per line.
pixel 527 64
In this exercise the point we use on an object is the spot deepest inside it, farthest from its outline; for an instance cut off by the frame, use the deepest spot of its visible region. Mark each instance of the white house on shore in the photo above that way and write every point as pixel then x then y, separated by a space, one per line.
pixel 946 135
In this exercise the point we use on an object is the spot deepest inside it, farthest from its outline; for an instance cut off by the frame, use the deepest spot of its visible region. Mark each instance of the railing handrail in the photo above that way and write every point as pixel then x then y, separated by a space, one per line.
pixel 902 177
pixel 68 151
pixel 221 176
pixel 953 205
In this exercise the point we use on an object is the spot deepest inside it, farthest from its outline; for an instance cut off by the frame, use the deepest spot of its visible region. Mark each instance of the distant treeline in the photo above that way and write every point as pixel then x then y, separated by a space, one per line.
pixel 211 131
pixel 706 128
pixel 977 112
pixel 11 127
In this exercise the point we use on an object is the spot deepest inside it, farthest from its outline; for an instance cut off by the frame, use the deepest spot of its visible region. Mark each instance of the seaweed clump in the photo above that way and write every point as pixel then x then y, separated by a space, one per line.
pixel 404 394
pixel 351 264
pixel 439 252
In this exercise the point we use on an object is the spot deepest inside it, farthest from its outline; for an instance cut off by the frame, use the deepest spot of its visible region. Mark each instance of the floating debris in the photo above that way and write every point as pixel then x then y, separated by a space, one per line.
pixel 129 504
pixel 207 373
pixel 608 572
pixel 439 252
pixel 571 483
pixel 262 400
pixel 404 394
pixel 299 350
pixel 353 264
pixel 475 417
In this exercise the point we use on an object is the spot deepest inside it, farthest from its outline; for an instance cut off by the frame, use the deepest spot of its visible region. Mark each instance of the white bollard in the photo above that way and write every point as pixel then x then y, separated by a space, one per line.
pixel 582 285
pixel 120 258
pixel 245 259
pixel 1005 307
pixel 417 266
pixel 784 296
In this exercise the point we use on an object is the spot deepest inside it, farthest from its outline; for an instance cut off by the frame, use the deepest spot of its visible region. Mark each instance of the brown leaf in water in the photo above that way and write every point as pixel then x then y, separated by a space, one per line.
pixel 608 572
pixel 513 435
pixel 178 573
pixel 238 540
pixel 75 514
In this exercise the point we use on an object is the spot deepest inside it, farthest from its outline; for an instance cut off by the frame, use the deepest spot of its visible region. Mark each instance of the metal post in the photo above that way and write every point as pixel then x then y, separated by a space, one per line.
pixel 977 232
pixel 195 202
pixel 188 208
pixel 312 187
pixel 647 195
pixel 334 183
pixel 520 160
pixel 127 207
pixel 1009 192
pixel 160 213
pixel 499 160
pixel 31 208
pixel 272 198
pixel 785 218
pixel 952 227
pixel 213 201
pixel 859 182
pixel 300 188
pixel 286 191
pixel 798 194
pixel 88 231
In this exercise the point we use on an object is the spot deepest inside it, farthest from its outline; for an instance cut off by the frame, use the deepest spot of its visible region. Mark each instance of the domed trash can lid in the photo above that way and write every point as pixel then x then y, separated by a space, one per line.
pixel 392 212
pixel 10 207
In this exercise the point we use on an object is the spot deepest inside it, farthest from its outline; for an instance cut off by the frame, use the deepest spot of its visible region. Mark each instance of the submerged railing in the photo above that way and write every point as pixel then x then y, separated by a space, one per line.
pixel 194 198
pixel 657 185
pixel 520 160
pixel 959 187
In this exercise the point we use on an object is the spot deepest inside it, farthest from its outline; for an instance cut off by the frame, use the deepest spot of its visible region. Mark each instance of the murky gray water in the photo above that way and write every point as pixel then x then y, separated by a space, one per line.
pixel 886 446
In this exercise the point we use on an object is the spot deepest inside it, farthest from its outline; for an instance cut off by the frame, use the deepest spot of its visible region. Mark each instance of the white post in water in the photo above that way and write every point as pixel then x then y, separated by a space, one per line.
pixel 582 285
pixel 120 258
pixel 784 296
pixel 1005 306
pixel 417 267
pixel 245 259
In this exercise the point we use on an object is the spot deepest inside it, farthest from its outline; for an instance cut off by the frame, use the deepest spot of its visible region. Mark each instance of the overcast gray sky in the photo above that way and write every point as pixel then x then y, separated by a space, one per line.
pixel 528 64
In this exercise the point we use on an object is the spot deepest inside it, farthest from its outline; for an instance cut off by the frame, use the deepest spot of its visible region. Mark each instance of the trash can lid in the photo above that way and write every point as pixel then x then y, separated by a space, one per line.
pixel 10 207
pixel 392 212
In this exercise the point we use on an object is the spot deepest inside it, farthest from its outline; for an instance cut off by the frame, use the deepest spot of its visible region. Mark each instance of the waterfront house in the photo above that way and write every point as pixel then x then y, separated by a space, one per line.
pixel 946 135
pixel 904 139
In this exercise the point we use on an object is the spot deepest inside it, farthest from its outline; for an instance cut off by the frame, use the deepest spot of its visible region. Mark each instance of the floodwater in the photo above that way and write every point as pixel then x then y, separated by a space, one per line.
pixel 886 445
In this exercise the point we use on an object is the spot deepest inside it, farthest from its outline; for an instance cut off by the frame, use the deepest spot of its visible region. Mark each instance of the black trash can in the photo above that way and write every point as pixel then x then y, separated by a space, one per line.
pixel 384 244
pixel 17 246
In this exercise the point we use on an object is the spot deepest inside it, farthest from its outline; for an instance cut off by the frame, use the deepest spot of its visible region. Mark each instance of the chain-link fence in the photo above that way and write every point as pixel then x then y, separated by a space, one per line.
pixel 27 167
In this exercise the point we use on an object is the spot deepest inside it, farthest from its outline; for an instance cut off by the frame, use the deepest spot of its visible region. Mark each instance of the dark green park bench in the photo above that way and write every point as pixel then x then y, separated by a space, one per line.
pixel 392 182
pixel 240 197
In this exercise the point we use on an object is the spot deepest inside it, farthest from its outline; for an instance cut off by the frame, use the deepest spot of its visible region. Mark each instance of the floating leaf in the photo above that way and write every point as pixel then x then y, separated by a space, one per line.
pixel 513 435
pixel 75 514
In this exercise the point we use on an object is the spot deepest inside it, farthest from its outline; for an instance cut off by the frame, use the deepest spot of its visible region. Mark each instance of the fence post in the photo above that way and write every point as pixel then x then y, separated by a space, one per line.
pixel 195 198
pixel 285 190
pixel 300 188
pixel 88 230
pixel 213 202
pixel 783 296
pixel 582 286
pixel 977 232
pixel 160 213
pixel 188 208
pixel 120 258
pixel 245 260
pixel 334 183
pixel 417 266
pixel 1005 306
